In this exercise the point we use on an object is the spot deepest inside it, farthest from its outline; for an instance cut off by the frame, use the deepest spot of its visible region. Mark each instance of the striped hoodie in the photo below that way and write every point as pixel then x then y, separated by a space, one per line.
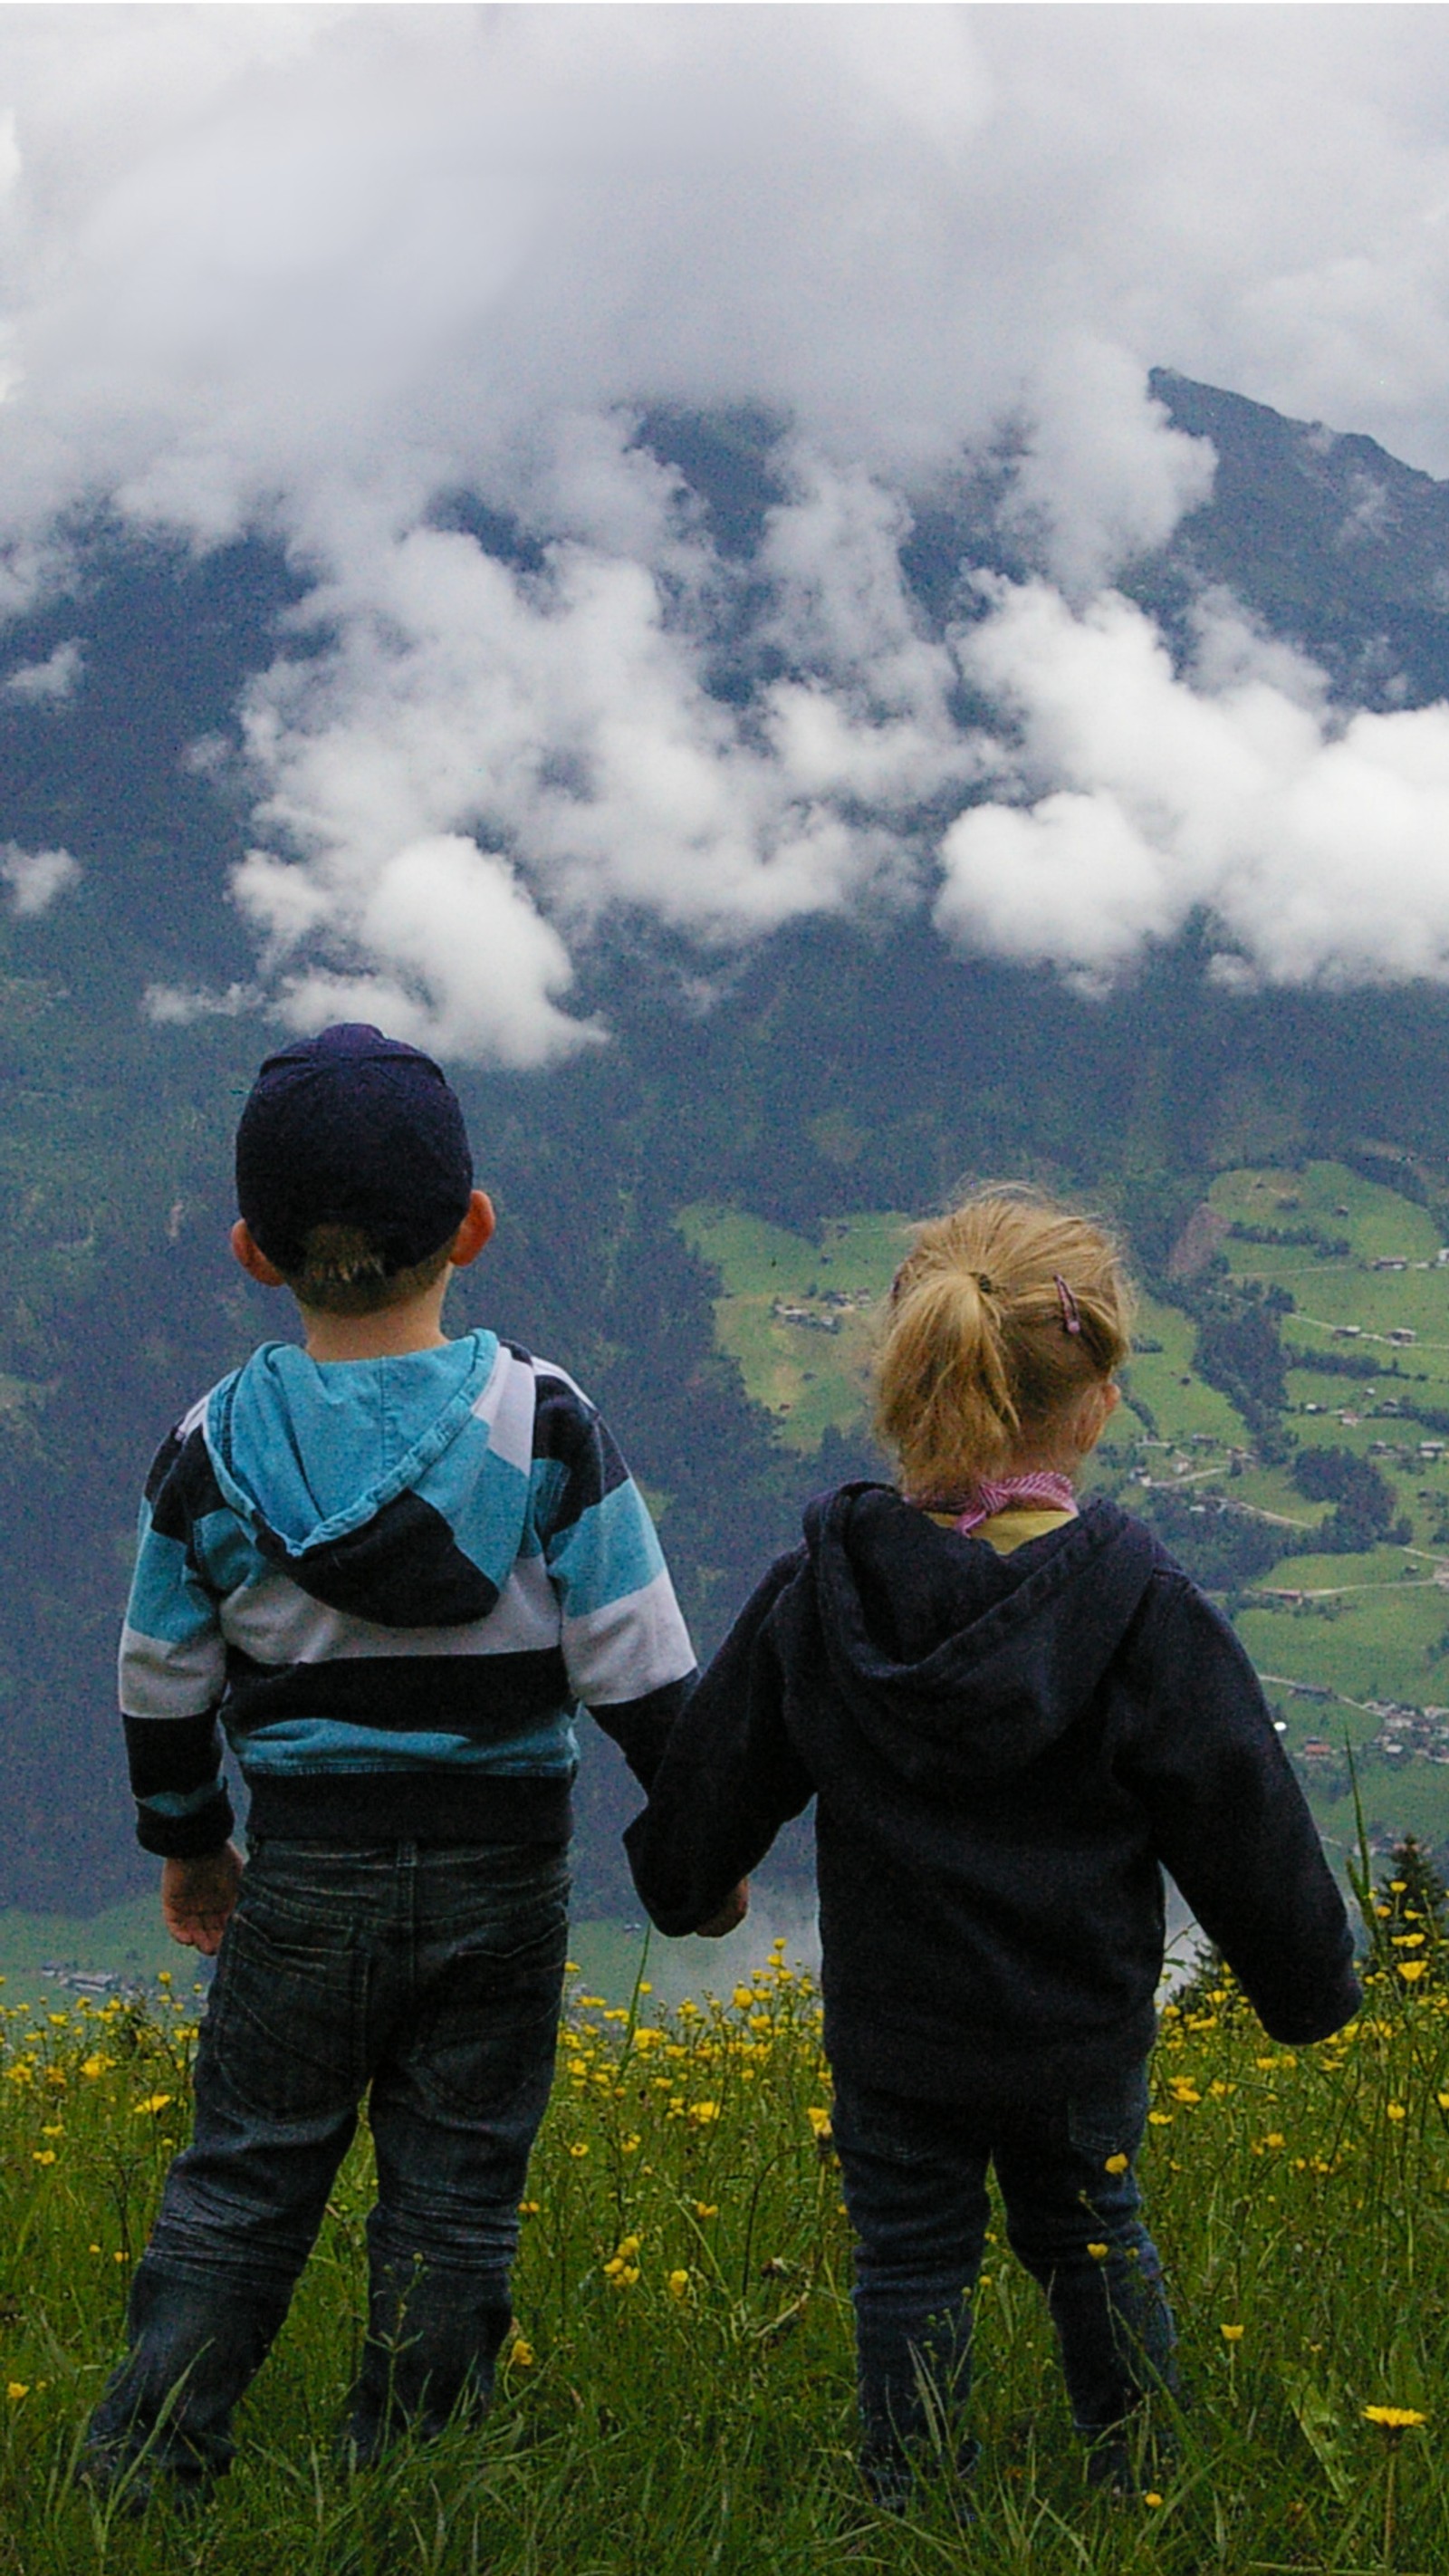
pixel 390 1581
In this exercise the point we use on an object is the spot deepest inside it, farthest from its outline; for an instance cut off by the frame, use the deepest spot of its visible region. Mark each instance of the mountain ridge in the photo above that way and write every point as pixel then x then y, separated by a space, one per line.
pixel 837 1068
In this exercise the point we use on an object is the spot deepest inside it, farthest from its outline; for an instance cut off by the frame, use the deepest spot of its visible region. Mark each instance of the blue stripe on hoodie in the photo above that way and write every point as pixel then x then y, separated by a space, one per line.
pixel 348 1542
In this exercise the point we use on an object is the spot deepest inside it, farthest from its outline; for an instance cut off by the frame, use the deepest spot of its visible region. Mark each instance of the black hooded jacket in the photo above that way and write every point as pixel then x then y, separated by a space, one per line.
pixel 1006 1751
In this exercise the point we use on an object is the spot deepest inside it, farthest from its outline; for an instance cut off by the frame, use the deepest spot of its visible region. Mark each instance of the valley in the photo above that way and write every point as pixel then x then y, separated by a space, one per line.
pixel 1349 1279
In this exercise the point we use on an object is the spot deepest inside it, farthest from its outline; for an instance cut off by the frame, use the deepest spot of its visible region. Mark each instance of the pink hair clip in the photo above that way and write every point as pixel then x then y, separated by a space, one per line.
pixel 1071 1314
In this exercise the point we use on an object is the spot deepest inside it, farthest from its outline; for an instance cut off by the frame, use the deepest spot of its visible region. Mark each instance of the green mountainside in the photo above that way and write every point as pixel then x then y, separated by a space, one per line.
pixel 665 1200
pixel 1316 1504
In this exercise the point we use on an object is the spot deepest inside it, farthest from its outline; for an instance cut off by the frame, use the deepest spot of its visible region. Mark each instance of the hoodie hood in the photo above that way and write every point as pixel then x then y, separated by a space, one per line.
pixel 959 1665
pixel 360 1477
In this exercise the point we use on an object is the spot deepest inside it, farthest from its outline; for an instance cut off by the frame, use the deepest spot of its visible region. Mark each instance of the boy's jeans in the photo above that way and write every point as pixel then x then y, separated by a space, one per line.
pixel 432 1974
pixel 915 2187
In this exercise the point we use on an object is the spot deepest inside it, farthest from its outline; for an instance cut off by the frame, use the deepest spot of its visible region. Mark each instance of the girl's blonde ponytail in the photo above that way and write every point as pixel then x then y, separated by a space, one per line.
pixel 1002 1314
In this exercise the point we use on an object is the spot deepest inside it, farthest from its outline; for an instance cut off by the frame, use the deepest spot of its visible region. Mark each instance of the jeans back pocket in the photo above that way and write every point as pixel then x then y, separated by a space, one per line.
pixel 286 2028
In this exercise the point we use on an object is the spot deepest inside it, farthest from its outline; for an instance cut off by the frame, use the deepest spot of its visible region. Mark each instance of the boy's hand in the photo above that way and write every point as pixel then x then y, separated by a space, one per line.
pixel 197 1897
pixel 730 1916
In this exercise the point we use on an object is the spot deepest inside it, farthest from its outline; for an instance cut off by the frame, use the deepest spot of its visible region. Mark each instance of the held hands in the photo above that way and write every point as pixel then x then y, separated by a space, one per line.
pixel 730 1916
pixel 197 1897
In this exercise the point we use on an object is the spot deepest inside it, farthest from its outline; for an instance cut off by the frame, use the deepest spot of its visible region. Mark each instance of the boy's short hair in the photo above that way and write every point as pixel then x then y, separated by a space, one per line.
pixel 353 1171
pixel 342 1273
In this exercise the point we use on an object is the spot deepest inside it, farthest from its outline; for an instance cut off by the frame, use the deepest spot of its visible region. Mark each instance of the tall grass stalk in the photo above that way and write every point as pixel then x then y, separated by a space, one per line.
pixel 679 2394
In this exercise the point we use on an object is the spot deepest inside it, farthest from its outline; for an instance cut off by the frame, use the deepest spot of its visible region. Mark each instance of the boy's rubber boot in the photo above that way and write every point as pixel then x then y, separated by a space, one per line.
pixel 164 2423
pixel 433 2338
pixel 1129 2459
pixel 894 2473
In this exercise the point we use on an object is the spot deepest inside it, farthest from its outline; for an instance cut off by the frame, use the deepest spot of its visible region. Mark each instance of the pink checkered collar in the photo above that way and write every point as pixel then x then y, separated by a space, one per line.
pixel 1044 1491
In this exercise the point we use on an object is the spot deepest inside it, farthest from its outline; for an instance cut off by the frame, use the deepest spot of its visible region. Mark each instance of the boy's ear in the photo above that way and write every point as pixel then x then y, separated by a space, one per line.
pixel 477 1228
pixel 252 1258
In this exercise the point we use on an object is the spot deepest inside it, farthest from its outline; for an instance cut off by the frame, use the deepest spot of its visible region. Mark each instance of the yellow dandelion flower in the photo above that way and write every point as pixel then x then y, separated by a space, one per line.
pixel 1116 2164
pixel 1152 2497
pixel 153 2103
pixel 1394 2419
pixel 1395 2111
pixel 629 2146
pixel 706 2209
pixel 579 2148
pixel 528 2208
pixel 1099 2253
pixel 1155 2120
pixel 15 2389
pixel 819 2119
pixel 1231 2334
pixel 1409 1969
pixel 678 2284
pixel 92 2068
pixel 520 2354
pixel 42 2155
pixel 702 2113
pixel 742 1998
pixel 1274 2138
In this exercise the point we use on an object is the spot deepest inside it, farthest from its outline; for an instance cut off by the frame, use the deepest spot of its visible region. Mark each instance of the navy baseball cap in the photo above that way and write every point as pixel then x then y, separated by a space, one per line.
pixel 352 1128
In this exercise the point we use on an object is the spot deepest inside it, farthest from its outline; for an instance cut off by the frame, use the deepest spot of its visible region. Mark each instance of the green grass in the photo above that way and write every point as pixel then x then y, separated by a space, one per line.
pixel 680 2395
pixel 1180 1403
pixel 807 1379
pixel 128 1942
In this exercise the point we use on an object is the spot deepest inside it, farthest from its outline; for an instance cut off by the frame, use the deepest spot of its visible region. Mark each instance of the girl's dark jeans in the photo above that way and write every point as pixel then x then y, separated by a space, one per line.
pixel 428 1977
pixel 915 2187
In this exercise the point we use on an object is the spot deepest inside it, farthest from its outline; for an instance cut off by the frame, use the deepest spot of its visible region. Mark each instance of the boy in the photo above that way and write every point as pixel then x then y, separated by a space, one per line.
pixel 388 1563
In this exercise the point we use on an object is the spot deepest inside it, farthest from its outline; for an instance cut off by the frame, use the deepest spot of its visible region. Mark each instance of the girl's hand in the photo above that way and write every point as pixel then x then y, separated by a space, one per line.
pixel 198 1897
pixel 730 1916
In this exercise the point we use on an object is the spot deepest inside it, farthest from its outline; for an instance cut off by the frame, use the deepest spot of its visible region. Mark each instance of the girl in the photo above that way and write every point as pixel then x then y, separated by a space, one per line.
pixel 1014 1713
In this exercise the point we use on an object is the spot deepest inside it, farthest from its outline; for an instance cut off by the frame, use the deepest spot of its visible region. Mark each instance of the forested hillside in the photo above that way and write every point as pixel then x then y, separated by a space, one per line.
pixel 839 1072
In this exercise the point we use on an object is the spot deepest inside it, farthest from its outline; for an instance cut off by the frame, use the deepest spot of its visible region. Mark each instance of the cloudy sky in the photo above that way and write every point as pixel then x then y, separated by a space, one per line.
pixel 303 270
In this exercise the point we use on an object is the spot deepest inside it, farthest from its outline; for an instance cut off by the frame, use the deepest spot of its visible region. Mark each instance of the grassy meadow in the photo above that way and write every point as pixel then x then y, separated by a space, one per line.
pixel 678 2395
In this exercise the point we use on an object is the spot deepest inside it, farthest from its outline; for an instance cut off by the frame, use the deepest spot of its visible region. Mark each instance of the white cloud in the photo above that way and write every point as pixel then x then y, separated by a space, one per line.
pixel 1104 474
pixel 1320 847
pixel 306 268
pixel 36 877
pixel 49 682
pixel 474 966
pixel 179 1006
pixel 564 716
